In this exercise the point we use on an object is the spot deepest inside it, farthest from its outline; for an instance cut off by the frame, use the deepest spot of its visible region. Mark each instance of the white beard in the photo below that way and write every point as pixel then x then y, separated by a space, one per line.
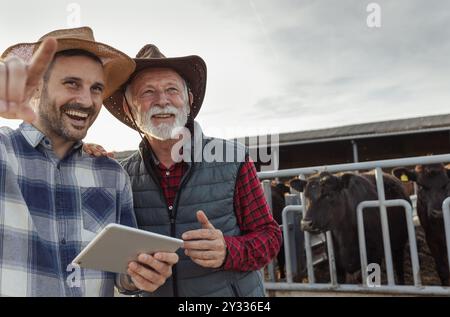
pixel 163 131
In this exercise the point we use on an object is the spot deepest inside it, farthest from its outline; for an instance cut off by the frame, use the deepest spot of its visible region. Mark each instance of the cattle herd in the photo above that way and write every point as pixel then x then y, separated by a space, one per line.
pixel 331 202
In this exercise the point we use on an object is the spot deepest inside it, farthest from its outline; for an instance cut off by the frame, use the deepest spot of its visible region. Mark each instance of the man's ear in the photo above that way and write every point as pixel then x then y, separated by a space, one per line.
pixel 36 96
pixel 125 108
pixel 404 174
pixel 345 180
pixel 191 99
pixel 298 184
pixel 39 88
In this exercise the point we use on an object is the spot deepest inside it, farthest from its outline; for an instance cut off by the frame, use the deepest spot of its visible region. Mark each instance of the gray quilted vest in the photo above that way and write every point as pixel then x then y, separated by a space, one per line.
pixel 207 186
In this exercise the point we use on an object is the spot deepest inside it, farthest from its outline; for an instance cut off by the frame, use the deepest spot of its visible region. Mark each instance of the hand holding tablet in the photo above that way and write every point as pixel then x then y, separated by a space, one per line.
pixel 117 245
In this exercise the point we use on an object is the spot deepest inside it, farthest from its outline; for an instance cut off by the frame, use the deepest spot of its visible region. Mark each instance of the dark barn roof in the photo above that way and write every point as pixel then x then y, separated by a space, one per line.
pixel 374 129
pixel 358 131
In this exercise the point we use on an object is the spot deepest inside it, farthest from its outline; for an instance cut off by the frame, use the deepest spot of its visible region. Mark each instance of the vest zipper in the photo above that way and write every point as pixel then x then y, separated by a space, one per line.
pixel 173 216
pixel 172 213
pixel 174 268
pixel 149 167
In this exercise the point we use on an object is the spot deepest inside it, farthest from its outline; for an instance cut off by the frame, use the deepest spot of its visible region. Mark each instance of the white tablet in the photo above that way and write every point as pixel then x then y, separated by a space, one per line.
pixel 117 245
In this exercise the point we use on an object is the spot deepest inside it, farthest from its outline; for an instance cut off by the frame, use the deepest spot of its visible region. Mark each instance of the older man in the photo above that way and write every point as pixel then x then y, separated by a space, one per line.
pixel 53 197
pixel 216 206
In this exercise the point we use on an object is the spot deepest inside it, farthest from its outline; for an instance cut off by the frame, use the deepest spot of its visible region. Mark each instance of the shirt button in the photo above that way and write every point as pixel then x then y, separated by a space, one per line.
pixel 63 241
pixel 167 173
pixel 170 207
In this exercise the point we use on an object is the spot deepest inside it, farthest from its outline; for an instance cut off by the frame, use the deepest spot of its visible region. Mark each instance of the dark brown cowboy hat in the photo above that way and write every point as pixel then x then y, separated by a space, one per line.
pixel 117 65
pixel 191 68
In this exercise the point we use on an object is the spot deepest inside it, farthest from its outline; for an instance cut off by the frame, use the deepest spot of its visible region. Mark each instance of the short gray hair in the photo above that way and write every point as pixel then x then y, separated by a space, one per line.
pixel 129 96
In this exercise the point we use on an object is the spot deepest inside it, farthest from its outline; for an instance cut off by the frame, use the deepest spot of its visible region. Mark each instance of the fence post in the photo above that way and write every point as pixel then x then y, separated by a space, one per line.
pixel 308 251
pixel 296 249
pixel 446 212
pixel 268 195
pixel 384 226
pixel 331 258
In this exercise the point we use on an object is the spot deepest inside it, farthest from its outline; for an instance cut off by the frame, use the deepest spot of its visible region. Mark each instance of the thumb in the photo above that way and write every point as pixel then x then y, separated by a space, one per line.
pixel 201 217
pixel 41 61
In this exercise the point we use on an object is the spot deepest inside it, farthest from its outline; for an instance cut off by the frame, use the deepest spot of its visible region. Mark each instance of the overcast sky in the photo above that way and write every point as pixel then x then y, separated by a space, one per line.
pixel 278 65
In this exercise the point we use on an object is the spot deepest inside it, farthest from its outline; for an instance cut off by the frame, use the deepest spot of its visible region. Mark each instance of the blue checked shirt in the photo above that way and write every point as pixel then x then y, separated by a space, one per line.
pixel 50 209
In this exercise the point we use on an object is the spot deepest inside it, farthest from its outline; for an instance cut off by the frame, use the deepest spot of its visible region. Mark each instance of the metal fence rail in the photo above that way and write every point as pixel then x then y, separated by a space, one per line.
pixel 359 289
pixel 382 204
pixel 411 238
pixel 287 239
pixel 355 166
pixel 446 212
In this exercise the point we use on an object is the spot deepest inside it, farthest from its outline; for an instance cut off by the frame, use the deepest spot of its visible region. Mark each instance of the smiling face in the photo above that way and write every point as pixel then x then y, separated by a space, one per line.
pixel 160 102
pixel 71 98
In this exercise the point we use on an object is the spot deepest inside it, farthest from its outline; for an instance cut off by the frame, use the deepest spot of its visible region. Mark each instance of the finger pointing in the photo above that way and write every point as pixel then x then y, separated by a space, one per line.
pixel 41 61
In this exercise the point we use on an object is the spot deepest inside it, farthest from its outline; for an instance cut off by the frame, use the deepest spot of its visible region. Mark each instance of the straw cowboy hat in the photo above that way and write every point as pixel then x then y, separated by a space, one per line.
pixel 117 65
pixel 191 68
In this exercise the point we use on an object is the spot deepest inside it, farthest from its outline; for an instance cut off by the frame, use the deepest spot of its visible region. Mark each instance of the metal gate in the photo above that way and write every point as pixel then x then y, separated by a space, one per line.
pixel 333 287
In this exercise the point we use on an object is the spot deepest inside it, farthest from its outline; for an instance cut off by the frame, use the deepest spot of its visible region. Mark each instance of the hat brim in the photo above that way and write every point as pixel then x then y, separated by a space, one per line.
pixel 117 66
pixel 191 68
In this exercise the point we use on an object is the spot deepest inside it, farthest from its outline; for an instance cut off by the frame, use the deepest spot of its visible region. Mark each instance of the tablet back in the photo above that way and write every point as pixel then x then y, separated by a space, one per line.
pixel 117 245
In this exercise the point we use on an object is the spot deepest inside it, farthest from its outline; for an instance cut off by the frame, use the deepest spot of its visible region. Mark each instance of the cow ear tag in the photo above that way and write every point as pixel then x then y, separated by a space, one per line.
pixel 404 178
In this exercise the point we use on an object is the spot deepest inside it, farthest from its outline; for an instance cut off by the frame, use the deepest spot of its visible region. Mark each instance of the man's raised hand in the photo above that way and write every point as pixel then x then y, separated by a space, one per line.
pixel 19 81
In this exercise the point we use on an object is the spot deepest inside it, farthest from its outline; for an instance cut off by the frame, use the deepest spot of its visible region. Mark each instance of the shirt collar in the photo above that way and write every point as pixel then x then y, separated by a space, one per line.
pixel 35 137
pixel 155 159
pixel 153 156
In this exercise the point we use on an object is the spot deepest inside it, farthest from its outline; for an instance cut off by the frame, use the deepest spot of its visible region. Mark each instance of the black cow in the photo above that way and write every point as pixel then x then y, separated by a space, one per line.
pixel 433 187
pixel 278 204
pixel 331 204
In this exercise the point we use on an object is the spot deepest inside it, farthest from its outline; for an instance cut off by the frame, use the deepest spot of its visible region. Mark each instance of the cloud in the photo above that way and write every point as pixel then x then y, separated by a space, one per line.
pixel 288 64
pixel 332 65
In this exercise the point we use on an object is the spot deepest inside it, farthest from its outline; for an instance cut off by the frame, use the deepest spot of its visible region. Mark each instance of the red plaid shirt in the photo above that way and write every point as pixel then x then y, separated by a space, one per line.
pixel 261 237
